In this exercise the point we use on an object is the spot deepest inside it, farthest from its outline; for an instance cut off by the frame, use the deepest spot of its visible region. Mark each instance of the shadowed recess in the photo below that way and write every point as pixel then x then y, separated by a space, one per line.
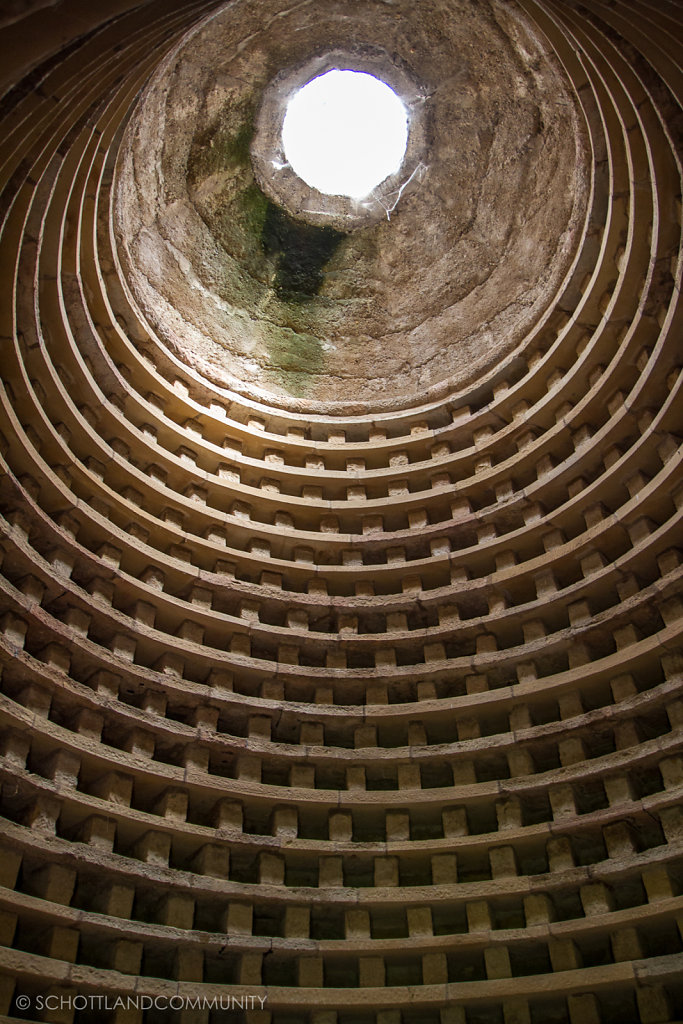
pixel 301 252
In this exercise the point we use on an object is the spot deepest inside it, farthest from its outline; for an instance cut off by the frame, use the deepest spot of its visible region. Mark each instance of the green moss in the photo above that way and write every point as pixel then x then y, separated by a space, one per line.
pixel 298 358
pixel 222 146
pixel 236 146
pixel 274 267
pixel 252 209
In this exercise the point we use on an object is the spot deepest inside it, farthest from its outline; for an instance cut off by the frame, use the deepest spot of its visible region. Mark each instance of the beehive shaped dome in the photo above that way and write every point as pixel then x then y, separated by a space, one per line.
pixel 341 570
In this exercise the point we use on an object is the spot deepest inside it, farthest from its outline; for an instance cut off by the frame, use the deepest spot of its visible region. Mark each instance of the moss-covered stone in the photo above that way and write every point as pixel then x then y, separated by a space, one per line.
pixel 297 356
pixel 274 264
pixel 224 145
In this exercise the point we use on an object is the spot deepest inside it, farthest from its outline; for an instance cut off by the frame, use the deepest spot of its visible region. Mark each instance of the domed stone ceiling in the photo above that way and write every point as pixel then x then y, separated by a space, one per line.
pixel 432 296
pixel 369 716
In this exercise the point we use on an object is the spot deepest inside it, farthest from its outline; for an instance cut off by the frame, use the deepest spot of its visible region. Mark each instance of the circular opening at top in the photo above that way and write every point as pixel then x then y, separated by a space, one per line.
pixel 344 132
pixel 341 138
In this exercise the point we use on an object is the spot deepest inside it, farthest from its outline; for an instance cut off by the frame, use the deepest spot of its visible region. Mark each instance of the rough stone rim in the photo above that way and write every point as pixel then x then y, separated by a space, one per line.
pixel 283 185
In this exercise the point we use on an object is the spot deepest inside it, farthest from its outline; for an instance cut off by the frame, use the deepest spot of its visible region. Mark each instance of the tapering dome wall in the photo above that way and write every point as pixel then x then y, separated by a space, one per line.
pixel 341 646
pixel 406 305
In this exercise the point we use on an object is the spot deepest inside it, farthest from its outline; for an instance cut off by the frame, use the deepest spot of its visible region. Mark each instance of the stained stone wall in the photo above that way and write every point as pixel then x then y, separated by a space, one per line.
pixel 428 298
pixel 349 682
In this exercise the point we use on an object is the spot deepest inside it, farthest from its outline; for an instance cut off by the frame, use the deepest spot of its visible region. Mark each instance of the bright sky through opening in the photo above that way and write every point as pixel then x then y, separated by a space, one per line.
pixel 345 132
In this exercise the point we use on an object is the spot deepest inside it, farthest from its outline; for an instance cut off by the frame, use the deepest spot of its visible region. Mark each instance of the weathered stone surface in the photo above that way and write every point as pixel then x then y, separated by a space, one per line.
pixel 429 298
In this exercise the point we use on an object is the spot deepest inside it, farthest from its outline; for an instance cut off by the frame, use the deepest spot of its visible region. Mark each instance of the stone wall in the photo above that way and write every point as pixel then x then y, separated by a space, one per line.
pixel 373 713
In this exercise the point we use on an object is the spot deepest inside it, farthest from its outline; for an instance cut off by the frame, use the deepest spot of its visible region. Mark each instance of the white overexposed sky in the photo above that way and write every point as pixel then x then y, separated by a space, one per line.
pixel 345 132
